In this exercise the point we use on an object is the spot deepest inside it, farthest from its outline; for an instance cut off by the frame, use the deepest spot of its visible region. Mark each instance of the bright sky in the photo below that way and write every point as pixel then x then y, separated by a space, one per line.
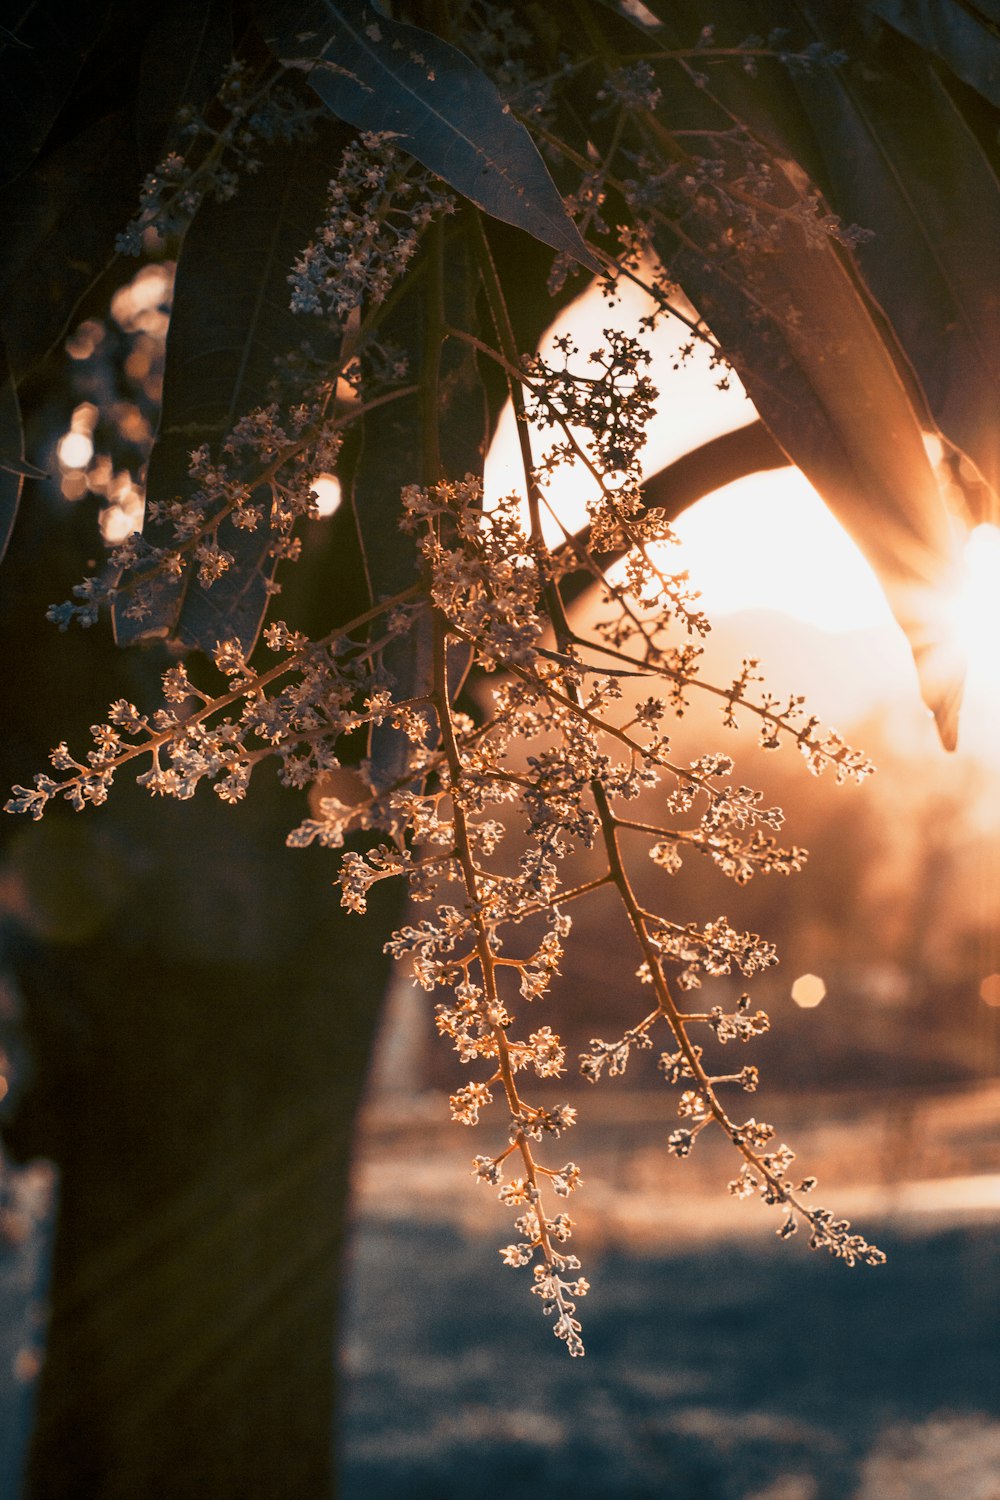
pixel 768 541
pixel 764 542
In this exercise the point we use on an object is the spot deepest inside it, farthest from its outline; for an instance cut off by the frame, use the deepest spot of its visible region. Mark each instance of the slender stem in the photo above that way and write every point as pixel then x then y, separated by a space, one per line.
pixel 505 334
pixel 484 947
pixel 254 685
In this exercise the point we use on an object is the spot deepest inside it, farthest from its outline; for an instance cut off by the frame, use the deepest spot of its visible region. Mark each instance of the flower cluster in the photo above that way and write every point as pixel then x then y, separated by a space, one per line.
pixel 297 710
pixel 486 823
pixel 248 114
pixel 379 205
pixel 261 478
pixel 610 403
pixel 262 481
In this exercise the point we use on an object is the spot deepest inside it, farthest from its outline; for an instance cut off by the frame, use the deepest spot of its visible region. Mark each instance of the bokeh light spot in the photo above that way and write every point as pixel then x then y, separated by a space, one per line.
pixel 328 494
pixel 76 449
pixel 117 523
pixel 989 990
pixel 808 990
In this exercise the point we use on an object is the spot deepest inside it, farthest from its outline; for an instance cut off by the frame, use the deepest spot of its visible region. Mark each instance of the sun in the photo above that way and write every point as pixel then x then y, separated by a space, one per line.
pixel 767 542
pixel 976 609
pixel 974 612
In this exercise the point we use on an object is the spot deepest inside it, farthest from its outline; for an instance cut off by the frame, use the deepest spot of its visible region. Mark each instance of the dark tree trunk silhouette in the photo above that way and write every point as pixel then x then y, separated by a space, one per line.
pixel 205 1122
pixel 200 1013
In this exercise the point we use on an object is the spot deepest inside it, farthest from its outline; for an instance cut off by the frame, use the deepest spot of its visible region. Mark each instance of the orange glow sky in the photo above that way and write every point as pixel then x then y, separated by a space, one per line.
pixel 768 542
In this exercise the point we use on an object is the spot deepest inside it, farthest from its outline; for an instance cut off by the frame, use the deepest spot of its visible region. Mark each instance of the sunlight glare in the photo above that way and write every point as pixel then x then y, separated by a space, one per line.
pixel 76 449
pixel 977 610
pixel 975 617
pixel 768 542
pixel 692 408
pixel 326 488
pixel 117 523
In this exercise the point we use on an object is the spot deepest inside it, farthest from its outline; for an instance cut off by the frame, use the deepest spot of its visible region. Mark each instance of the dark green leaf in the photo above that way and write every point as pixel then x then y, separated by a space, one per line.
pixel 43 50
pixel 60 220
pixel 900 160
pixel 380 75
pixel 443 434
pixel 188 46
pixel 231 319
pixel 714 91
pixel 12 466
pixel 21 466
pixel 819 362
pixel 965 37
pixel 812 357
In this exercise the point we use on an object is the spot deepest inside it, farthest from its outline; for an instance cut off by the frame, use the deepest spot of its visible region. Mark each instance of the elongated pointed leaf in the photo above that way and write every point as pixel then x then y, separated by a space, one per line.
pixel 59 225
pixel 12 467
pixel 813 360
pixel 43 50
pixel 380 75
pixel 901 161
pixel 231 320
pixel 965 37
pixel 188 45
pixel 823 368
pixel 20 466
pixel 403 441
pixel 635 13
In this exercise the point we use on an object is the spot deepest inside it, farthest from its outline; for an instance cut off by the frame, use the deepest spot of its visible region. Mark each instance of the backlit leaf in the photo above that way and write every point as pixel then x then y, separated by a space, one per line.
pixel 12 468
pixel 380 75
pixel 965 37
pixel 901 161
pixel 232 319
pixel 780 293
pixel 805 344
